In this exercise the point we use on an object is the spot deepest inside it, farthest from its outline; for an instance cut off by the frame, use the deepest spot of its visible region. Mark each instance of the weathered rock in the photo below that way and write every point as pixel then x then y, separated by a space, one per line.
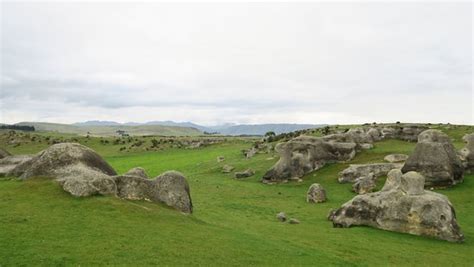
pixel 304 154
pixel 244 174
pixel 249 153
pixel 436 159
pixel 294 221
pixel 364 184
pixel 9 163
pixel 134 187
pixel 467 153
pixel 374 134
pixel 82 181
pixel 137 171
pixel 55 162
pixel 172 189
pixel 227 168
pixel 316 194
pixel 220 158
pixel 402 206
pixel 355 135
pixel 4 153
pixel 281 216
pixel 392 158
pixel 403 132
pixel 355 171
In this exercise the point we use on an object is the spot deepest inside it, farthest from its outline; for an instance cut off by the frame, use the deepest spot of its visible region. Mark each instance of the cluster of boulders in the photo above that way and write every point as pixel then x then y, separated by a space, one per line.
pixel 304 154
pixel 82 172
pixel 402 206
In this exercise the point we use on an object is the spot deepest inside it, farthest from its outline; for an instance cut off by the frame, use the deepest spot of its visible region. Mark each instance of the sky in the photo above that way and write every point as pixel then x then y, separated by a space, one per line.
pixel 251 63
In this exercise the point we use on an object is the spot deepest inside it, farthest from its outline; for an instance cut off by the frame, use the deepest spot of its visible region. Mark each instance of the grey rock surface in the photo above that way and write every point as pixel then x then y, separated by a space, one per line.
pixel 354 171
pixel 402 206
pixel 436 159
pixel 394 158
pixel 316 194
pixel 304 154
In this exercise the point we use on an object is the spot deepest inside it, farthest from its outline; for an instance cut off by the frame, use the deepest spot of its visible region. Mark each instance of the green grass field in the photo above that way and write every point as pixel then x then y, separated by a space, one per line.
pixel 233 221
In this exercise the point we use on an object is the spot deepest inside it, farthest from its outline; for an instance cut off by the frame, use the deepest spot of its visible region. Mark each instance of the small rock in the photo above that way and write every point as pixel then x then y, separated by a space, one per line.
pixel 244 174
pixel 316 194
pixel 281 216
pixel 220 158
pixel 227 168
pixel 294 221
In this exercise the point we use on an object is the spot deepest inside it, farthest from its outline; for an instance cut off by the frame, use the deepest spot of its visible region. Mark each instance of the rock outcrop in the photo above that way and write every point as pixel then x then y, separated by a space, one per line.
pixel 304 154
pixel 355 171
pixel 82 172
pixel 467 153
pixel 60 160
pixel 393 158
pixel 316 194
pixel 170 188
pixel 137 171
pixel 436 159
pixel 4 153
pixel 364 184
pixel 402 206
pixel 9 163
pixel 405 132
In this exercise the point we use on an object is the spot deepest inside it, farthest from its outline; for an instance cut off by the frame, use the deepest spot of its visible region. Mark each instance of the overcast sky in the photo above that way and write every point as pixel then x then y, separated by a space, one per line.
pixel 242 63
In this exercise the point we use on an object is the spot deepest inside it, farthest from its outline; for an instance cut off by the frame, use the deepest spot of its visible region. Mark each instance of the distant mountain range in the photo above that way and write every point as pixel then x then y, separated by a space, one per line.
pixel 225 129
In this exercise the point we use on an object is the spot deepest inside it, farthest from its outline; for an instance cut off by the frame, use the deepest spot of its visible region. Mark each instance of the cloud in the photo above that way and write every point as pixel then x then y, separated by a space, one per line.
pixel 248 63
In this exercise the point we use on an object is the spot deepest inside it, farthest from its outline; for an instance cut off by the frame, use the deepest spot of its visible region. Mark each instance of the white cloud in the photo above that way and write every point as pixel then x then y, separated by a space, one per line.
pixel 248 63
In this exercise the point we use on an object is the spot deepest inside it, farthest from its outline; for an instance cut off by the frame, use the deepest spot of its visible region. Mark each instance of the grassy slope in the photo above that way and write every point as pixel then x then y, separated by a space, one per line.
pixel 234 221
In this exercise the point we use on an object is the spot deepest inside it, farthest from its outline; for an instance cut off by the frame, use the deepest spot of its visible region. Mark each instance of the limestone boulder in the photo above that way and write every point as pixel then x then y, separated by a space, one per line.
pixel 137 171
pixel 4 153
pixel 402 206
pixel 396 158
pixel 316 194
pixel 364 184
pixel 8 164
pixel 355 171
pixel 436 159
pixel 56 161
pixel 172 189
pixel 467 153
pixel 304 154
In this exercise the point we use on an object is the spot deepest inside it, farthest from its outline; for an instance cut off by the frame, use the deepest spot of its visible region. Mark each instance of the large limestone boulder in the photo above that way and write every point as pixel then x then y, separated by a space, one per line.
pixel 4 153
pixel 402 206
pixel 304 154
pixel 467 153
pixel 436 159
pixel 355 171
pixel 9 163
pixel 172 189
pixel 57 160
pixel 81 181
